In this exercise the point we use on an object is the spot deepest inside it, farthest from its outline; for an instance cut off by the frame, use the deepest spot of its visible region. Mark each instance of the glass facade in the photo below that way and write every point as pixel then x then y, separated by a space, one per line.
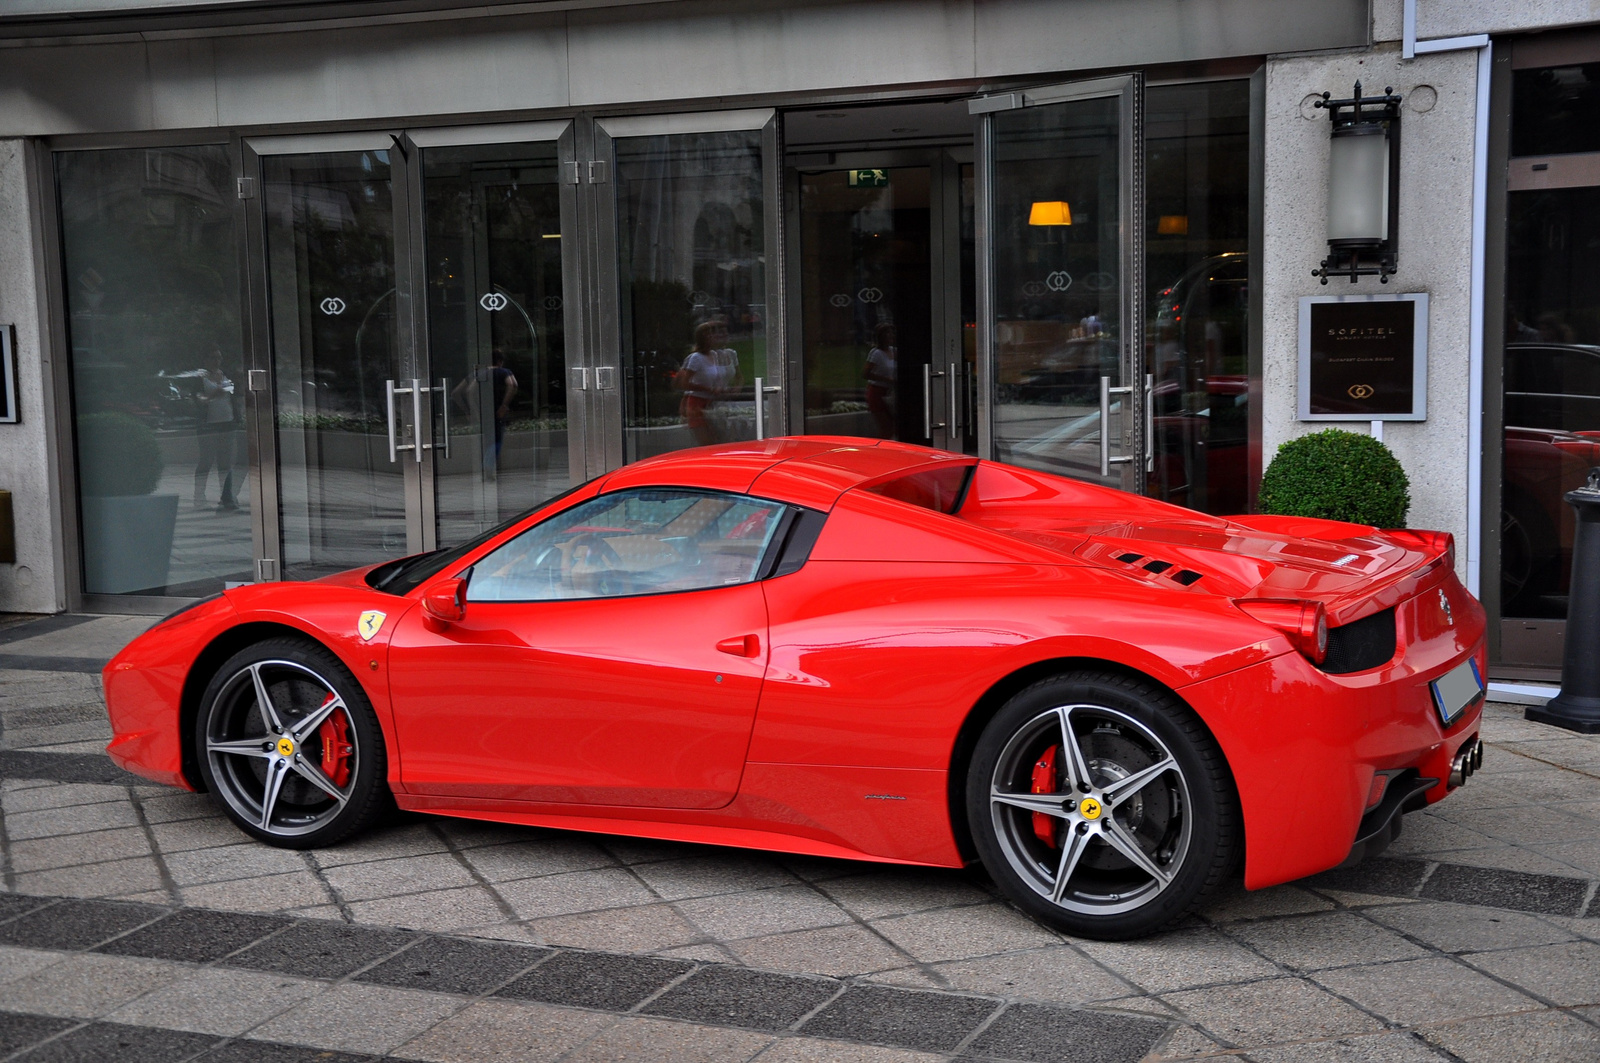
pixel 691 279
pixel 1197 272
pixel 416 384
pixel 150 263
pixel 1551 390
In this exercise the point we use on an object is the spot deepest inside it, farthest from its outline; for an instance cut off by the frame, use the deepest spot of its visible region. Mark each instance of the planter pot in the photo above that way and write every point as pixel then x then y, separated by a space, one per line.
pixel 127 543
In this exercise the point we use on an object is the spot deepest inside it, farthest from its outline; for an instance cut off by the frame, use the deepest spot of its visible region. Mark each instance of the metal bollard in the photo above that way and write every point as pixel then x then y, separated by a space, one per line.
pixel 1577 707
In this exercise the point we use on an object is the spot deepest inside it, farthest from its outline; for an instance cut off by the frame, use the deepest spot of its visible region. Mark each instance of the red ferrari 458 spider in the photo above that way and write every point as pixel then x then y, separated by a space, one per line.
pixel 850 649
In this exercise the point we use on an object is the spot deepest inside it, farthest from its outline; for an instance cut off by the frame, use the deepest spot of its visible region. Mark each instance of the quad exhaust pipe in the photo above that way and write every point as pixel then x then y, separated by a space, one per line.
pixel 1467 761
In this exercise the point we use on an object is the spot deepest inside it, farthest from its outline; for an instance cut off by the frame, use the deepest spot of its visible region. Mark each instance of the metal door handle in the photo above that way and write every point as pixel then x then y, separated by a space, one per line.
pixel 928 424
pixel 390 391
pixel 950 390
pixel 1149 422
pixel 416 418
pixel 443 391
pixel 1106 460
pixel 762 391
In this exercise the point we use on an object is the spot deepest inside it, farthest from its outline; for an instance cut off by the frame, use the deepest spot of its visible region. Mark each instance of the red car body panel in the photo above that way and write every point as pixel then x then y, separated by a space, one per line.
pixel 831 718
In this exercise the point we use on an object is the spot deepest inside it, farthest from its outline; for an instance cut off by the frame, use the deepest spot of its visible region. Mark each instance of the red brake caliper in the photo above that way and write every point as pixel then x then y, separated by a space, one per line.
pixel 1045 782
pixel 336 748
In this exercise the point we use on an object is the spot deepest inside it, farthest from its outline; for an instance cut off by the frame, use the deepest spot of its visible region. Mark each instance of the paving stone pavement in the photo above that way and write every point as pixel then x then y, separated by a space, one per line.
pixel 137 924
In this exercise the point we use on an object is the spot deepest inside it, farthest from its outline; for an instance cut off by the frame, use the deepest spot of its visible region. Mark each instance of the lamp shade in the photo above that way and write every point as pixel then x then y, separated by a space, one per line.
pixel 1054 212
pixel 1358 185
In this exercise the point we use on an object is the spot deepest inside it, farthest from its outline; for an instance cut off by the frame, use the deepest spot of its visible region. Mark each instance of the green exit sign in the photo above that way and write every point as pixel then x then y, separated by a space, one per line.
pixel 869 178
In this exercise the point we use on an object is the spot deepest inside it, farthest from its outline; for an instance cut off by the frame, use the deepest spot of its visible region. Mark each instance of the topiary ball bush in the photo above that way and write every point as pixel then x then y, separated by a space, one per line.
pixel 1337 475
pixel 117 455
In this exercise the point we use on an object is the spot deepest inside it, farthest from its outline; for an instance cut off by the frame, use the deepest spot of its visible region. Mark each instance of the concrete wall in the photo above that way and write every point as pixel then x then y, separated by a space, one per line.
pixel 1453 18
pixel 27 457
pixel 699 50
pixel 1437 122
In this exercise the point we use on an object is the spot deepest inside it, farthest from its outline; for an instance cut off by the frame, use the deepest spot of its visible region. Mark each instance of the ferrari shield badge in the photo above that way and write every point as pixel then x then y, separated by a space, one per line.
pixel 370 624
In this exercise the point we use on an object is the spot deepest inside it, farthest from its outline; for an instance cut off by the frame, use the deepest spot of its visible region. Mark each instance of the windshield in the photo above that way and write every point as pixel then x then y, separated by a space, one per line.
pixel 406 574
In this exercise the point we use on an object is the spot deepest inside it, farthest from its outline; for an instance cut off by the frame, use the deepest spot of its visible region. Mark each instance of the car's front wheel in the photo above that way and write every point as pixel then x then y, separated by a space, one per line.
pixel 289 745
pixel 1101 805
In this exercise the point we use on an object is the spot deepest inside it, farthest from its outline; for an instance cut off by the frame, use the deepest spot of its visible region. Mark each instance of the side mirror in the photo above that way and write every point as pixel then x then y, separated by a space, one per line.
pixel 446 600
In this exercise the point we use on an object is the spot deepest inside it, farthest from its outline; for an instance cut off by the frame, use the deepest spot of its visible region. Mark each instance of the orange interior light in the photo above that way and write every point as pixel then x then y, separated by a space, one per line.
pixel 1055 212
pixel 1173 225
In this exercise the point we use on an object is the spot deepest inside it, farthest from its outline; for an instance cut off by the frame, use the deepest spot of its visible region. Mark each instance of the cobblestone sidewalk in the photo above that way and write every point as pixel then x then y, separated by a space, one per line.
pixel 1475 938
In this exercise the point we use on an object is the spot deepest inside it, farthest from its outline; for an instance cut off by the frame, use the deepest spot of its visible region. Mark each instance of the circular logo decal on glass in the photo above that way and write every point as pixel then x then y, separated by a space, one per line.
pixel 492 301
pixel 333 306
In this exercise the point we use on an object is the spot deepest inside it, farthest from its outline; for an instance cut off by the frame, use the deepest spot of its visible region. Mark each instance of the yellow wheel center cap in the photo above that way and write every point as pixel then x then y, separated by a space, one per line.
pixel 1089 808
pixel 286 749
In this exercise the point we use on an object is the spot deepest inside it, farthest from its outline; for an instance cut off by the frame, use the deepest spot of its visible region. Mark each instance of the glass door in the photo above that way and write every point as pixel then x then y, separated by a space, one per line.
pixel 331 319
pixel 690 314
pixel 497 209
pixel 880 292
pixel 1060 329
pixel 413 321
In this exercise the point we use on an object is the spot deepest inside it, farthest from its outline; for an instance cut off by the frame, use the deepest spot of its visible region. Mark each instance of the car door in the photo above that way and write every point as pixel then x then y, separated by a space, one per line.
pixel 612 654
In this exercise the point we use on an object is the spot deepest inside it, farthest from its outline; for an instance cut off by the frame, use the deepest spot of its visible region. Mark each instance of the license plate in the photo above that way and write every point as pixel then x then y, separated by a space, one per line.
pixel 1457 689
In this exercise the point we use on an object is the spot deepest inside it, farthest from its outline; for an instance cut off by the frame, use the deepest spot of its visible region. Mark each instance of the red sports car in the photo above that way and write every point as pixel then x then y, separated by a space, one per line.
pixel 854 649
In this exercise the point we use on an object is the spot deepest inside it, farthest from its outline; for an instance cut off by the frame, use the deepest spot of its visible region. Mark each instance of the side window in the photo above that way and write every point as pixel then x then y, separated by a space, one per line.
pixel 942 489
pixel 643 541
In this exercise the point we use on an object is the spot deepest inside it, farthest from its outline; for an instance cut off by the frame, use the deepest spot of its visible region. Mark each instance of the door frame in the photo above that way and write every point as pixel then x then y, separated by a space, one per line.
pixel 1137 452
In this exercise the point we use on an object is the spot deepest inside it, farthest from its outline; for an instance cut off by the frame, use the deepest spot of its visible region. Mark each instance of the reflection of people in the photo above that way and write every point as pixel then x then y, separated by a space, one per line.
pixel 880 379
pixel 710 371
pixel 502 388
pixel 214 433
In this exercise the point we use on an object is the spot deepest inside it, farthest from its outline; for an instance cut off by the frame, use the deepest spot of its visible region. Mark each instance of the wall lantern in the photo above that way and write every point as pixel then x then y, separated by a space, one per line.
pixel 1054 212
pixel 1363 187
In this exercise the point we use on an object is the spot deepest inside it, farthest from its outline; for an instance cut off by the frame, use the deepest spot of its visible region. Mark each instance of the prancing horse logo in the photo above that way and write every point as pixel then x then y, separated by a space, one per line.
pixel 370 624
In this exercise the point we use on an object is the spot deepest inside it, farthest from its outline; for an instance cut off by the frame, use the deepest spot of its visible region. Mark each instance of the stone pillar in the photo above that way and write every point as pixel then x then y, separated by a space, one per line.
pixel 29 463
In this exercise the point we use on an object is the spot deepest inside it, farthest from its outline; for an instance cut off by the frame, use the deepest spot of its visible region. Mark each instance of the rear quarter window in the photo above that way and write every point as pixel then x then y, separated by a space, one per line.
pixel 941 489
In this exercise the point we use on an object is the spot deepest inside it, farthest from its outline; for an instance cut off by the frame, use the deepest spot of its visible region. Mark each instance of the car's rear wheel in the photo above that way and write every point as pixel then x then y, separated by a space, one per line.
pixel 290 747
pixel 1101 805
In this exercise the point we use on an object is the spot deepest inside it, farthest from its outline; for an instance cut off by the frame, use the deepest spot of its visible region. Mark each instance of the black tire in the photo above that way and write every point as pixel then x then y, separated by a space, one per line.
pixel 1184 816
pixel 241 750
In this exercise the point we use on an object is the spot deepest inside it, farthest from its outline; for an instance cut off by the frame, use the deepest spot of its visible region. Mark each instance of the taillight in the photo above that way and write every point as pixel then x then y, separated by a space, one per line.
pixel 1306 623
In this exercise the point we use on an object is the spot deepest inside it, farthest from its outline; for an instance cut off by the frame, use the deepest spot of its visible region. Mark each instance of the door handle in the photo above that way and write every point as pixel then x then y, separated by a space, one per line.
pixel 951 382
pixel 1106 460
pixel 741 646
pixel 443 391
pixel 390 391
pixel 762 391
pixel 1149 422
pixel 928 423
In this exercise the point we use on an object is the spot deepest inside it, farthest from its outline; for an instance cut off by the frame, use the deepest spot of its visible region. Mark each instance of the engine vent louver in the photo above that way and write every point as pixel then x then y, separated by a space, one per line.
pixel 1361 644
pixel 1186 576
pixel 1157 567
pixel 1129 559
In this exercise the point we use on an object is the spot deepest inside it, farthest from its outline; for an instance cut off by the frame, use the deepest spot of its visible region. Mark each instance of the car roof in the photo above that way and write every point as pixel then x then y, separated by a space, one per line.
pixel 805 470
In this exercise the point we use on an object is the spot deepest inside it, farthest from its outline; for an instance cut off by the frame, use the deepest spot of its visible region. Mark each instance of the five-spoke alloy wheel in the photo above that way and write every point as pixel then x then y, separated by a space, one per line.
pixel 289 744
pixel 1102 805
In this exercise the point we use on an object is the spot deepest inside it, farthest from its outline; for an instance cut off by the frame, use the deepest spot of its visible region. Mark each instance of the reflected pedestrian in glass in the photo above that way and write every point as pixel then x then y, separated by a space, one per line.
pixel 710 372
pixel 214 434
pixel 880 379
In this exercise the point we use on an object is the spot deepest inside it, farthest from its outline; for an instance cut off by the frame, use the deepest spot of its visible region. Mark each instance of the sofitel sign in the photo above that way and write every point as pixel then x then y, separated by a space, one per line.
pixel 1363 358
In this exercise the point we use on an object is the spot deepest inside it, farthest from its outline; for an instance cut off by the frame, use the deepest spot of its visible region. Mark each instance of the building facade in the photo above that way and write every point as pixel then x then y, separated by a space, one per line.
pixel 292 287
